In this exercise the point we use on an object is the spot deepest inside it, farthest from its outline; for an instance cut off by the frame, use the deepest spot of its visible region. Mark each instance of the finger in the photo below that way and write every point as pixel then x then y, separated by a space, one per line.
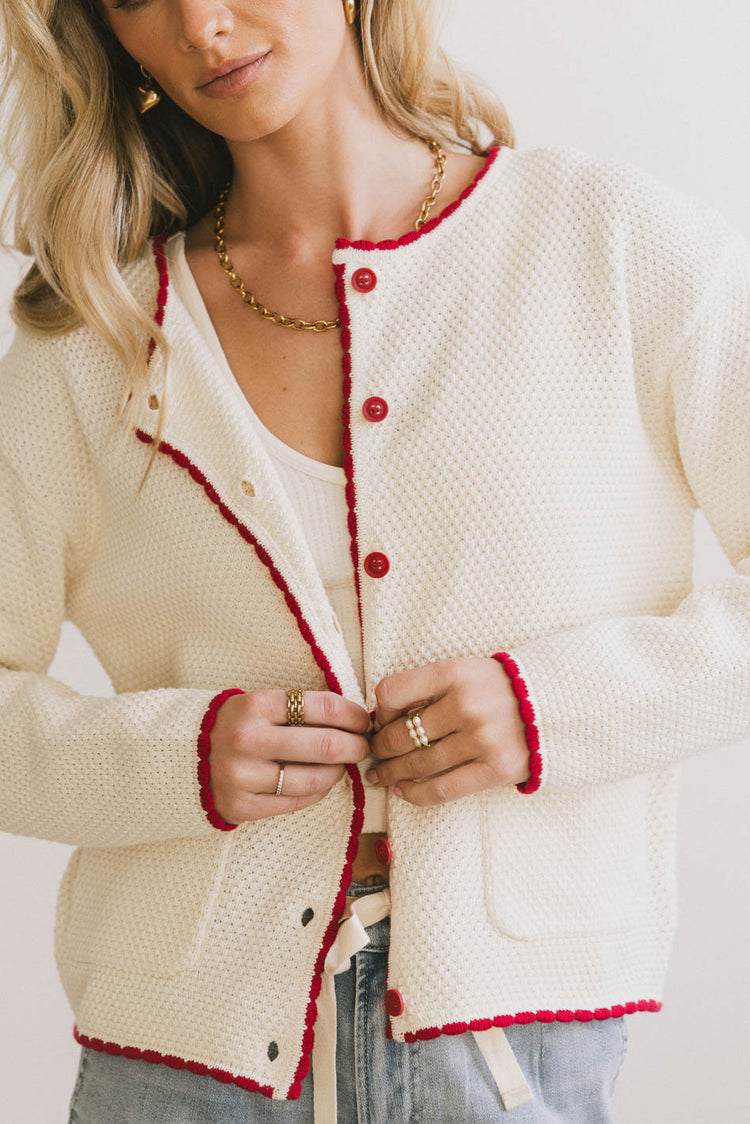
pixel 447 753
pixel 322 708
pixel 394 739
pixel 317 744
pixel 299 780
pixel 254 807
pixel 466 779
pixel 403 690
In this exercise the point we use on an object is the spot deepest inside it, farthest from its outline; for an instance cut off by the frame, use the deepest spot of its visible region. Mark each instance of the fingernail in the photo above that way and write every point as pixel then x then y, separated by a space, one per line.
pixel 397 792
pixel 371 776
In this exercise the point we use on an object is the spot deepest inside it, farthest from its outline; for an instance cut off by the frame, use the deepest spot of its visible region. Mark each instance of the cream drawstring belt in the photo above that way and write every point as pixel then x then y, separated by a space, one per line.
pixel 351 937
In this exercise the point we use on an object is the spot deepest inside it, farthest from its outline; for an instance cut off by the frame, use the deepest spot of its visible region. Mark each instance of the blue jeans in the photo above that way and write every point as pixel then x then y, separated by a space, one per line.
pixel 571 1068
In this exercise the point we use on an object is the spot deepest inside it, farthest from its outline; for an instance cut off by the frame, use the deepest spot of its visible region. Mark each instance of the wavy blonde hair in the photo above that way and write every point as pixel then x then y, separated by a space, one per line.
pixel 99 180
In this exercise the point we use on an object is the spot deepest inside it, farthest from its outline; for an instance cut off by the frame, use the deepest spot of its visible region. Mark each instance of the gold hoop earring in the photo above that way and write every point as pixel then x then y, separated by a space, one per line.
pixel 350 10
pixel 147 96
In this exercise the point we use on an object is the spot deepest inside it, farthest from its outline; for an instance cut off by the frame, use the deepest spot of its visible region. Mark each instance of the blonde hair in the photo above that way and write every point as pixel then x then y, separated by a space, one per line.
pixel 97 180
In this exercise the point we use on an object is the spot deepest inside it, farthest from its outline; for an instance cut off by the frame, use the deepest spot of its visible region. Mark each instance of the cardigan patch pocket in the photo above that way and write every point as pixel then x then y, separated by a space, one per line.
pixel 569 864
pixel 111 896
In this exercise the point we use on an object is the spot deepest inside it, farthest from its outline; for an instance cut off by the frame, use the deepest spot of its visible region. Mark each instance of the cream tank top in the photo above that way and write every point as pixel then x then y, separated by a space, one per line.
pixel 316 490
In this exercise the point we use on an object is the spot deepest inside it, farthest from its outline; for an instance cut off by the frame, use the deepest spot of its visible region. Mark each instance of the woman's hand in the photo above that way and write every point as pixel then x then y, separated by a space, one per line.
pixel 470 715
pixel 250 739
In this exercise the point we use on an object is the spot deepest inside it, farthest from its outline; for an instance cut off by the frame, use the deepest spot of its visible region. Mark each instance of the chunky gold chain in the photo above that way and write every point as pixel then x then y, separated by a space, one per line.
pixel 294 322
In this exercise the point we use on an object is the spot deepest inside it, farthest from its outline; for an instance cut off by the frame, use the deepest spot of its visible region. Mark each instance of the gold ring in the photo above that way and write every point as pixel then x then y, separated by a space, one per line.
pixel 295 707
pixel 416 730
pixel 280 784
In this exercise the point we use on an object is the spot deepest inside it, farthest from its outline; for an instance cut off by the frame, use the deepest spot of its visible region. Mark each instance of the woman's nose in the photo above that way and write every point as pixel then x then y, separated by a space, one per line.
pixel 202 22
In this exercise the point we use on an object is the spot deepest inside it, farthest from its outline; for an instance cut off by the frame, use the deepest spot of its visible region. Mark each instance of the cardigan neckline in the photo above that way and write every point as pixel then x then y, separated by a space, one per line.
pixel 482 176
pixel 491 155
pixel 186 289
pixel 189 295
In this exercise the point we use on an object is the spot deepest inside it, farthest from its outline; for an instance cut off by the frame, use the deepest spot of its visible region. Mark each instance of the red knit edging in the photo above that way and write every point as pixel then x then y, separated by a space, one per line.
pixel 562 1016
pixel 204 769
pixel 358 817
pixel 526 711
pixel 161 297
pixel 412 235
pixel 346 417
pixel 172 1061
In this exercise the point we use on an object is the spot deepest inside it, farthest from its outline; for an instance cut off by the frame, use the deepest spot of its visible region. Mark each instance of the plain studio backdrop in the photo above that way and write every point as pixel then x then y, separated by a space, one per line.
pixel 664 85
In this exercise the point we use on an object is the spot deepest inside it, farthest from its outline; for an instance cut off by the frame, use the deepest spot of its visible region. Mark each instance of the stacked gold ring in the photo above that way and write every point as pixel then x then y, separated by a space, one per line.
pixel 416 729
pixel 295 707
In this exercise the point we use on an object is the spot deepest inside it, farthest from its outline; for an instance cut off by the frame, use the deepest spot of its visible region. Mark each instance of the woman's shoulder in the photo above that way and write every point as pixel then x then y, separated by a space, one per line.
pixel 647 223
pixel 620 185
pixel 72 373
pixel 48 350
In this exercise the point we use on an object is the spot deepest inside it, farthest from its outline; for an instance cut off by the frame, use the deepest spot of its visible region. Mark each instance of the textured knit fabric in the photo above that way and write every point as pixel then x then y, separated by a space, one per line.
pixel 573 1068
pixel 565 355
pixel 317 493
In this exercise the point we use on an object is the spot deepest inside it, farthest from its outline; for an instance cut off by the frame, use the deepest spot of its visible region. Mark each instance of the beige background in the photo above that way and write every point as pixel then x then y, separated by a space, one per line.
pixel 664 85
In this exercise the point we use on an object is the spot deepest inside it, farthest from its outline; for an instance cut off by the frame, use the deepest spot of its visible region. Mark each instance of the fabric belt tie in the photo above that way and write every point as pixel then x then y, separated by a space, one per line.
pixel 352 936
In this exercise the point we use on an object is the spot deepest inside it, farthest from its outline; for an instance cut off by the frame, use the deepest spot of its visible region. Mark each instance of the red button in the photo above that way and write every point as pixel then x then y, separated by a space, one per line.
pixel 383 851
pixel 374 409
pixel 376 564
pixel 364 280
pixel 394 1002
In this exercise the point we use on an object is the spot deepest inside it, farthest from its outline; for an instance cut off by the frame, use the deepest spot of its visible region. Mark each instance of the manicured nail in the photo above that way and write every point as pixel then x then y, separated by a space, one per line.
pixel 371 776
pixel 397 792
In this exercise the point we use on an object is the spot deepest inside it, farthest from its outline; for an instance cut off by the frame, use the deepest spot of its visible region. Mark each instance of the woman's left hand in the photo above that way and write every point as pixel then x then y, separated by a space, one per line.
pixel 471 717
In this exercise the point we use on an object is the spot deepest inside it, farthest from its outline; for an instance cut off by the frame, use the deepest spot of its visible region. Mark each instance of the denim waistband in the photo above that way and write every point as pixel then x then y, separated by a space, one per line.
pixel 359 889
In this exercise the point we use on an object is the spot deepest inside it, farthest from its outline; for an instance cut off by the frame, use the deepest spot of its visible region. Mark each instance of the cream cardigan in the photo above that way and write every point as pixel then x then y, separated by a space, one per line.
pixel 565 358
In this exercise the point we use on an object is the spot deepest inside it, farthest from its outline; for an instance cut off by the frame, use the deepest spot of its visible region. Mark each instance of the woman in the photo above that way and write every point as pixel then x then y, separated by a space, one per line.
pixel 405 661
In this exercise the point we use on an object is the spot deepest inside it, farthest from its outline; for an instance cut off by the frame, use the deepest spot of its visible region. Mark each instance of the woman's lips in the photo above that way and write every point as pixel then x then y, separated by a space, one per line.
pixel 236 80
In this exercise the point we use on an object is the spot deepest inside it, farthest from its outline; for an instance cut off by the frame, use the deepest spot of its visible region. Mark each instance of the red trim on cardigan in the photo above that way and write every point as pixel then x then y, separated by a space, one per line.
pixel 346 416
pixel 204 768
pixel 562 1016
pixel 358 818
pixel 172 1061
pixel 526 711
pixel 393 243
pixel 161 297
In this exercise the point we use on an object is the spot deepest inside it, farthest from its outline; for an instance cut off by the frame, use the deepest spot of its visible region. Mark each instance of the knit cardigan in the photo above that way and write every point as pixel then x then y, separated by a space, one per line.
pixel 565 356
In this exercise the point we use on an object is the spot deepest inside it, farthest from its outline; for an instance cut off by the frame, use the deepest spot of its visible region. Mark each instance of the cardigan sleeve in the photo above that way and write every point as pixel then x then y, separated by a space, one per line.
pixel 77 769
pixel 622 696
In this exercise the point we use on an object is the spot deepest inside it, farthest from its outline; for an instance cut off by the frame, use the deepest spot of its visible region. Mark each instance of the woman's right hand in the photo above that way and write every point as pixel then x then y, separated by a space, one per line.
pixel 250 740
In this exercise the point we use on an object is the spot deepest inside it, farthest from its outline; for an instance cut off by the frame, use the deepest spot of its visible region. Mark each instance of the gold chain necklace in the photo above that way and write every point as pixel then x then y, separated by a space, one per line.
pixel 290 322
